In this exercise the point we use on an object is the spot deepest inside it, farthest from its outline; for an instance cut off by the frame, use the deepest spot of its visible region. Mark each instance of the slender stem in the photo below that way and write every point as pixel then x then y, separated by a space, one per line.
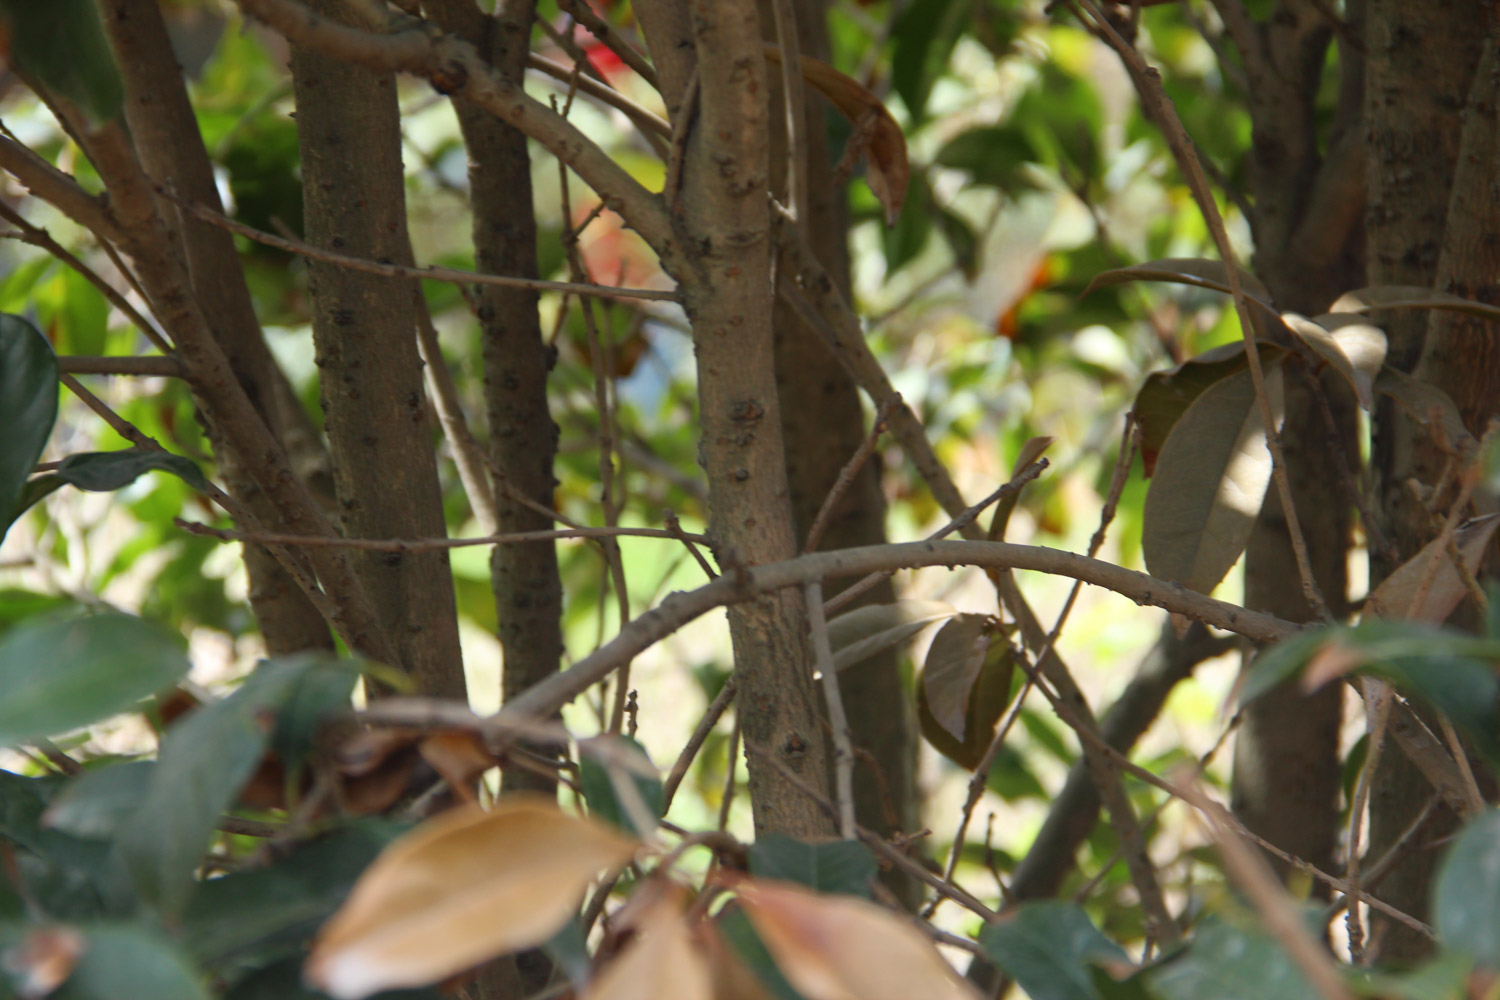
pixel 711 717
pixel 83 364
pixel 843 752
pixel 428 544
pixel 468 456
pixel 846 477
pixel 795 101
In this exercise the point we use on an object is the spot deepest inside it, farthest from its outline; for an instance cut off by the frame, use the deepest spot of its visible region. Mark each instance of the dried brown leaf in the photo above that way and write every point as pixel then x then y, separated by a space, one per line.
pixel 663 962
pixel 1397 595
pixel 460 889
pixel 845 948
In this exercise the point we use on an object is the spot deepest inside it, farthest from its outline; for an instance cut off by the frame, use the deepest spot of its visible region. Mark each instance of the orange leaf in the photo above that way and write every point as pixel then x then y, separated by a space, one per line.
pixel 460 889
pixel 844 948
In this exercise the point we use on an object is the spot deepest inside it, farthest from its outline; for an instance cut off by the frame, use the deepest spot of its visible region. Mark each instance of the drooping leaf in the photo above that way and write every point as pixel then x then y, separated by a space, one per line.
pixel 96 802
pixel 1353 346
pixel 985 703
pixel 841 866
pixel 857 635
pixel 28 408
pixel 57 676
pixel 61 45
pixel 662 962
pixel 1397 594
pixel 952 667
pixel 1199 272
pixel 888 171
pixel 102 471
pixel 1230 963
pixel 1427 405
pixel 1048 948
pixel 1165 396
pixel 1411 297
pixel 835 947
pixel 205 760
pixel 461 888
pixel 1466 894
pixel 1211 478
pixel 603 797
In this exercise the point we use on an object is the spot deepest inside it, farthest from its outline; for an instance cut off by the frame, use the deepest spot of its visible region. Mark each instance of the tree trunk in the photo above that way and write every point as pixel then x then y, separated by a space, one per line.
pixel 364 326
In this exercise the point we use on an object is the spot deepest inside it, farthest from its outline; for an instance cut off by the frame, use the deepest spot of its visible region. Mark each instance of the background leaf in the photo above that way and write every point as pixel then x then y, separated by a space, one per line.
pixel 28 407
pixel 1048 948
pixel 841 866
pixel 604 800
pixel 1466 895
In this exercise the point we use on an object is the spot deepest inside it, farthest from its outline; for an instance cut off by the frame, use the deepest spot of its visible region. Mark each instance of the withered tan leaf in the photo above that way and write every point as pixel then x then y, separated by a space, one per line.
pixel 889 171
pixel 461 888
pixel 664 962
pixel 1421 591
pixel 845 948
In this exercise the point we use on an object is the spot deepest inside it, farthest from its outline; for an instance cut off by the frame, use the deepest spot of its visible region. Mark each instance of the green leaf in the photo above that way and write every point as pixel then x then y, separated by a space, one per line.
pixel 103 471
pixel 28 408
pixel 1165 396
pixel 57 676
pixel 747 945
pixel 1277 664
pixel 1211 478
pixel 17 605
pixel 251 918
pixel 1446 977
pixel 995 155
pixel 857 635
pixel 1228 963
pixel 61 46
pixel 130 963
pixel 924 35
pixel 1047 948
pixel 604 799
pixel 841 866
pixel 204 761
pixel 963 242
pixel 324 691
pixel 98 801
pixel 905 240
pixel 969 676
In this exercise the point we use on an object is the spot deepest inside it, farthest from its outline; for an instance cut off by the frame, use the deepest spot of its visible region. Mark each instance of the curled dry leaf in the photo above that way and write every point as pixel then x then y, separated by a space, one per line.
pixel 1419 591
pixel 460 889
pixel 664 961
pixel 844 948
pixel 889 171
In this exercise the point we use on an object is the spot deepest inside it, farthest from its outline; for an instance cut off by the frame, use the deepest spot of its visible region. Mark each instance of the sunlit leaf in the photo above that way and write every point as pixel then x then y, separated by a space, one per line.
pixel 662 962
pixel 839 947
pixel 1466 894
pixel 1166 395
pixel 841 866
pixel 61 675
pixel 857 635
pixel 1354 347
pixel 28 408
pixel 1439 586
pixel 1047 948
pixel 1411 297
pixel 463 887
pixel 1211 478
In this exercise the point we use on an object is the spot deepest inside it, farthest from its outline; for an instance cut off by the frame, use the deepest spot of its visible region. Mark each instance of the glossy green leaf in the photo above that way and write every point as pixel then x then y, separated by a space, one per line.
pixel 103 471
pixel 841 866
pixel 61 45
pixel 1229 963
pixel 1047 948
pixel 204 760
pixel 1466 895
pixel 28 408
pixel 857 635
pixel 57 676
pixel 96 802
pixel 603 797
pixel 1211 478
pixel 1166 395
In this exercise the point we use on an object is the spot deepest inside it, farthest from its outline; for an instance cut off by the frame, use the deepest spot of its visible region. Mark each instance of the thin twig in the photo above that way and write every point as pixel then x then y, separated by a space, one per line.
pixel 447 274
pixel 794 100
pixel 166 366
pixel 602 30
pixel 468 456
pixel 843 753
pixel 426 544
pixel 847 475
pixel 711 716
pixel 726 799
pixel 675 527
